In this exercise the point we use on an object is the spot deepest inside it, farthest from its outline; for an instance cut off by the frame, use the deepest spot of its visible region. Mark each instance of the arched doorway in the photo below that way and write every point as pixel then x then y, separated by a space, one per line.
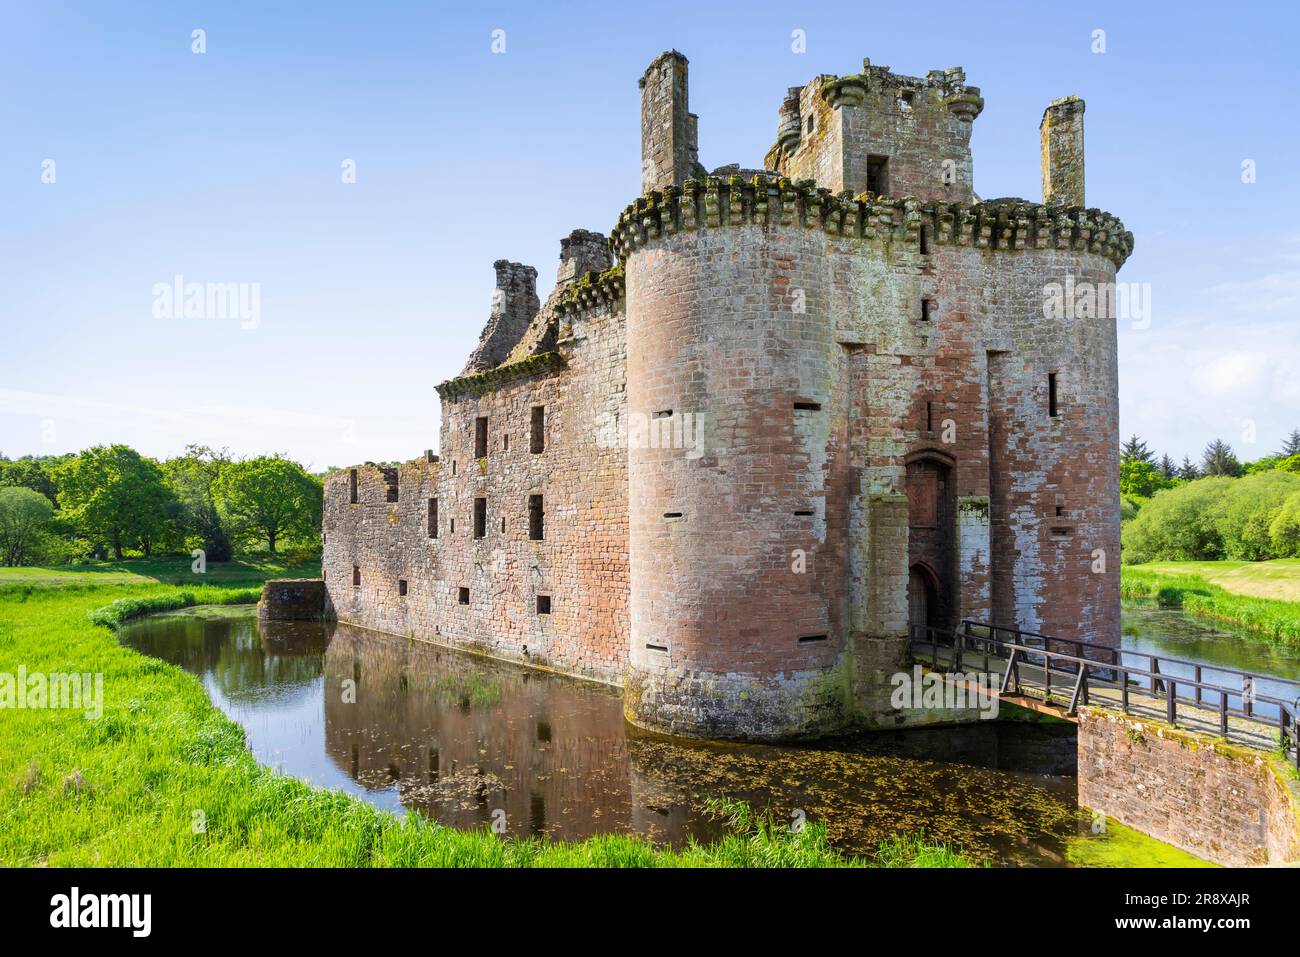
pixel 931 539
pixel 922 598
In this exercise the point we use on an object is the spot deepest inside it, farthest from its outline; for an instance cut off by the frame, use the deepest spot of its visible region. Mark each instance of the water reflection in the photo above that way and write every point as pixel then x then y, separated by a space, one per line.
pixel 1151 630
pixel 464 740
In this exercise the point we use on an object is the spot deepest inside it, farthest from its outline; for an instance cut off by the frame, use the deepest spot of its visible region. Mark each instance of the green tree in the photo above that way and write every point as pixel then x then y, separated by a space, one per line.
pixel 1177 524
pixel 193 479
pixel 29 473
pixel 1291 445
pixel 1140 479
pixel 269 499
pixel 1167 467
pixel 113 495
pixel 1219 460
pixel 1284 531
pixel 1188 471
pixel 1136 450
pixel 1243 514
pixel 24 517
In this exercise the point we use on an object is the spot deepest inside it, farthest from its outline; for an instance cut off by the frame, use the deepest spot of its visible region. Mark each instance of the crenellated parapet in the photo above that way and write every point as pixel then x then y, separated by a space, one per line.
pixel 592 290
pixel 1002 224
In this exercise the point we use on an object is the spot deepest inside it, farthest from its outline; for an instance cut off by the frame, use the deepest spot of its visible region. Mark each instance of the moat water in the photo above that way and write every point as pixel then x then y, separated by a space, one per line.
pixel 460 738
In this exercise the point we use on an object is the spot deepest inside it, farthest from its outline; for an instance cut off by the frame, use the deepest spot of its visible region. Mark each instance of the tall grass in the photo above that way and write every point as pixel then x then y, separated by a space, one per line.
pixel 117 613
pixel 1272 619
pixel 163 778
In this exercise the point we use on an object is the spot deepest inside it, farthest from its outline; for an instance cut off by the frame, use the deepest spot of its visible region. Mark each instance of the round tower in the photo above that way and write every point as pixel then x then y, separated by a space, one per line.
pixel 735 430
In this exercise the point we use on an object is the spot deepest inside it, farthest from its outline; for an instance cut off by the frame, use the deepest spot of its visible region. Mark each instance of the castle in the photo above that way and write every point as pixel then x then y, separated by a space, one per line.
pixel 779 417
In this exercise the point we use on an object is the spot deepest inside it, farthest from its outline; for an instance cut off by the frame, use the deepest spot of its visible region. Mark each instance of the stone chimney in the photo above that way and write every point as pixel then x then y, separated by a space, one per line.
pixel 668 130
pixel 582 252
pixel 514 304
pixel 1061 132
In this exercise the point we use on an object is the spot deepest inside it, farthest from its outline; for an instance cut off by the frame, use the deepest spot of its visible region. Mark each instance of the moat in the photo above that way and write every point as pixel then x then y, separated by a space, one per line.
pixel 460 739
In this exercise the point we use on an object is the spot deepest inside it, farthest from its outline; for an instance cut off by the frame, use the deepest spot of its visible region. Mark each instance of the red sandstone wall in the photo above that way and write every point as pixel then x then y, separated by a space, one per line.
pixel 582 561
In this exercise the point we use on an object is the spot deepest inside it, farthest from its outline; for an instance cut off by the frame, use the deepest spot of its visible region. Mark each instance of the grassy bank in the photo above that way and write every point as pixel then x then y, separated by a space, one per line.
pixel 1272 619
pixel 164 778
pixel 1278 579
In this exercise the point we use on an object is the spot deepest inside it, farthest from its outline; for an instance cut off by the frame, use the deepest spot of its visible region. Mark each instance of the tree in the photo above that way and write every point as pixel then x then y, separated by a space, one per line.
pixel 24 516
pixel 1291 445
pixel 1218 459
pixel 1188 471
pixel 1135 450
pixel 29 473
pixel 193 478
pixel 114 495
pixel 1167 467
pixel 1177 525
pixel 1140 479
pixel 268 499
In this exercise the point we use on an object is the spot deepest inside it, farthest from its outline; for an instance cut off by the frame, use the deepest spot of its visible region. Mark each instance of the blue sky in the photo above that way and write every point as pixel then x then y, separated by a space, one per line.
pixel 226 166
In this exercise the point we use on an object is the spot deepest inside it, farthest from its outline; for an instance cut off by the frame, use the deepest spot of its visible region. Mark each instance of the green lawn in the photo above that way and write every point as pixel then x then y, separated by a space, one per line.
pixel 129 787
pixel 1278 579
pixel 175 571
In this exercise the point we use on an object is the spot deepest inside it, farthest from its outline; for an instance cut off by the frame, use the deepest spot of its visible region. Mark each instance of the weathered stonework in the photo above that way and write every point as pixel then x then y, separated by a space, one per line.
pixel 1227 804
pixel 292 599
pixel 784 421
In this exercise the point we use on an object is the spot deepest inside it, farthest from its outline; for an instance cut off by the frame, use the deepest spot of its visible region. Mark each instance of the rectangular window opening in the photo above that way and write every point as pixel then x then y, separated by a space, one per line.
pixel 352 486
pixel 433 518
pixel 480 437
pixel 543 604
pixel 401 586
pixel 805 406
pixel 809 639
pixel 505 442
pixel 927 310
pixel 1052 409
pixel 356 576
pixel 536 518
pixel 925 241
pixel 804 511
pixel 453 526
pixel 650 647
pixel 480 518
pixel 462 596
pixel 929 416
pixel 672 514
pixel 537 435
pixel 878 175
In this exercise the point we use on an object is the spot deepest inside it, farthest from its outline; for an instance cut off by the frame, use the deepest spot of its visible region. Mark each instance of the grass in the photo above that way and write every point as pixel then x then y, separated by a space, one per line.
pixel 1270 618
pixel 163 778
pixel 174 571
pixel 1278 579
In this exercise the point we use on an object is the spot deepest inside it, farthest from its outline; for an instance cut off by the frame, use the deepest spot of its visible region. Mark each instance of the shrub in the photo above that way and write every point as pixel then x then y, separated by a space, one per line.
pixel 1176 524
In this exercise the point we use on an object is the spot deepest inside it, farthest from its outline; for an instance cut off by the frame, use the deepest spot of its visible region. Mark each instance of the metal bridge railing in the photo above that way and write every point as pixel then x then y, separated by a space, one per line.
pixel 1078 665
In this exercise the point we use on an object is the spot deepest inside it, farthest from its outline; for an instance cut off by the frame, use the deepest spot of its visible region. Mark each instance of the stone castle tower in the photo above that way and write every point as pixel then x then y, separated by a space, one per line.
pixel 780 417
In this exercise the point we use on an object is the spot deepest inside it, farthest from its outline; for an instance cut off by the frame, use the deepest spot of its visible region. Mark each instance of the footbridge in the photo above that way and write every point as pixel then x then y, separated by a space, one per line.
pixel 1059 675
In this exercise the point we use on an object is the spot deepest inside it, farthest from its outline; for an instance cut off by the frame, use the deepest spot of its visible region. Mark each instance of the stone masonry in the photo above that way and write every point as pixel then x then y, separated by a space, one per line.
pixel 777 419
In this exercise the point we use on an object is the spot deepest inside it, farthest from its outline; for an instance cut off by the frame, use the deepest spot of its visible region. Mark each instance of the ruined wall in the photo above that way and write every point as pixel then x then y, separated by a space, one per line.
pixel 1227 804
pixel 580 564
pixel 514 304
pixel 881 132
